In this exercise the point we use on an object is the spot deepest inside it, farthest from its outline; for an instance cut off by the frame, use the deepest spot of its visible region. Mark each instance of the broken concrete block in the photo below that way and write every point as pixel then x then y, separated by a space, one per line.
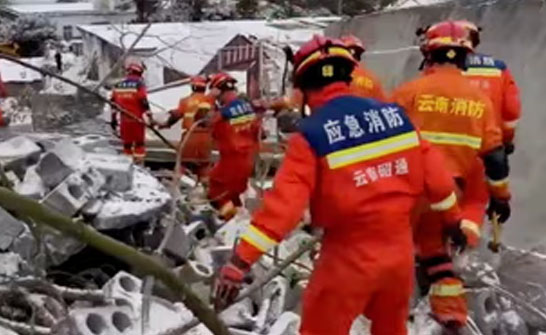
pixel 146 201
pixel 220 255
pixel 122 288
pixel 18 153
pixel 6 331
pixel 485 309
pixel 71 155
pixel 194 272
pixel 32 185
pixel 52 170
pixel 112 320
pixel 178 244
pixel 69 196
pixel 91 142
pixel 117 169
pixel 13 179
pixel 60 248
pixel 92 209
pixel 273 303
pixel 10 229
pixel 239 315
pixel 10 265
pixel 25 245
pixel 287 324
pixel 513 323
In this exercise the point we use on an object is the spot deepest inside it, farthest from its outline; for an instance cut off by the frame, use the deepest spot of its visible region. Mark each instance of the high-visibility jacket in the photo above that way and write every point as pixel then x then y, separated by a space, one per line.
pixel 359 163
pixel 193 108
pixel 456 117
pixel 131 95
pixel 365 84
pixel 495 79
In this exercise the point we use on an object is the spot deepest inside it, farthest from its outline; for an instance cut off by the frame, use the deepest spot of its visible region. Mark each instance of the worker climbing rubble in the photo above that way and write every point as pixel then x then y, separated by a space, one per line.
pixel 493 77
pixel 192 109
pixel 131 95
pixel 236 131
pixel 362 166
pixel 459 120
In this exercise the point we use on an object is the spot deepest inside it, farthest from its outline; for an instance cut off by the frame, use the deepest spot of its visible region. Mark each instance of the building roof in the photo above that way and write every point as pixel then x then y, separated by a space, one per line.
pixel 188 47
pixel 15 73
pixel 44 8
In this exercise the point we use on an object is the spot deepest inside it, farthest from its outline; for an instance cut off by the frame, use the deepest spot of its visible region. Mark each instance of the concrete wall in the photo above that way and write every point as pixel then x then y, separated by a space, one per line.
pixel 514 31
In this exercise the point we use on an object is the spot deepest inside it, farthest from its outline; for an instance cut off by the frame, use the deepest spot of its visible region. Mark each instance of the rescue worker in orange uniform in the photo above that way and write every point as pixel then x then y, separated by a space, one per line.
pixel 192 109
pixel 131 95
pixel 493 77
pixel 361 166
pixel 235 130
pixel 460 121
pixel 365 83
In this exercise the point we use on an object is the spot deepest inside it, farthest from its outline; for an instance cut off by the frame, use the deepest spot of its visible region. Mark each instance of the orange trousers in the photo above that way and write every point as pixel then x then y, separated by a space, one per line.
pixel 228 179
pixel 360 272
pixel 197 150
pixel 133 137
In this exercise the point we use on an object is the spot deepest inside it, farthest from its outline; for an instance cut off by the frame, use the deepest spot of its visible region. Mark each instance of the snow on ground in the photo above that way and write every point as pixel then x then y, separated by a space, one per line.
pixel 51 8
pixel 13 72
pixel 415 3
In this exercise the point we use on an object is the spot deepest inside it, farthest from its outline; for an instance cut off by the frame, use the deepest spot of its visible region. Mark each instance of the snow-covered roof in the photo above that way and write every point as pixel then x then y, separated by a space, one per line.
pixel 188 47
pixel 45 8
pixel 13 72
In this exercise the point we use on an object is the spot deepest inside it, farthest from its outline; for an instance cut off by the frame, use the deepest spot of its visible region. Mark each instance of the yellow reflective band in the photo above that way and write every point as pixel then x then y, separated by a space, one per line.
pixel 336 51
pixel 242 119
pixel 189 115
pixel 483 71
pixel 125 90
pixel 204 105
pixel 447 290
pixel 258 239
pixel 372 150
pixel 498 183
pixel 472 226
pixel 452 139
pixel 511 124
pixel 445 204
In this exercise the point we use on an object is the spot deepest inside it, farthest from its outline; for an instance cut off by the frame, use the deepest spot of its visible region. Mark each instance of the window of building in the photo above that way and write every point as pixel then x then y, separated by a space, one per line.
pixel 68 33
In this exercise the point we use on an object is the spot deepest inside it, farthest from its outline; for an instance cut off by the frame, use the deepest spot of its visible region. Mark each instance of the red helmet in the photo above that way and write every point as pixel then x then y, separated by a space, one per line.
pixel 198 82
pixel 473 30
pixel 353 43
pixel 135 66
pixel 447 34
pixel 222 81
pixel 318 50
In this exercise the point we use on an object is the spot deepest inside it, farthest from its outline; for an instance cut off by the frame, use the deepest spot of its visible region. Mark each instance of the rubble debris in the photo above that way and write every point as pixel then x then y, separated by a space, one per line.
pixel 193 272
pixel 11 228
pixel 118 170
pixel 75 191
pixel 146 200
pixel 52 170
pixel 32 185
pixel 11 265
pixel 17 153
pixel 89 143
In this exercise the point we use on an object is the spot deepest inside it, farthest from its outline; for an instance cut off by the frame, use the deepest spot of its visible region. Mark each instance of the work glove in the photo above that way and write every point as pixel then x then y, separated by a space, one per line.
pixel 448 303
pixel 509 148
pixel 456 237
pixel 229 282
pixel 499 207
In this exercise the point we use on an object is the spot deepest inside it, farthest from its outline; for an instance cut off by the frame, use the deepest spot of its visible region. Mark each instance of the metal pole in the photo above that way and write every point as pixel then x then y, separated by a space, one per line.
pixel 340 7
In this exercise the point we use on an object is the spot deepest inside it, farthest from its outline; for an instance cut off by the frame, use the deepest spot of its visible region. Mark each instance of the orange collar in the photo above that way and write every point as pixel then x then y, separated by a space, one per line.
pixel 327 93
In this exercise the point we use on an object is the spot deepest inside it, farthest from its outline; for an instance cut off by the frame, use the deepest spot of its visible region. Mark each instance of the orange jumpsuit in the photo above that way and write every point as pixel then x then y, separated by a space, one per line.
pixel 130 94
pixel 361 166
pixel 199 145
pixel 235 130
pixel 460 121
pixel 495 79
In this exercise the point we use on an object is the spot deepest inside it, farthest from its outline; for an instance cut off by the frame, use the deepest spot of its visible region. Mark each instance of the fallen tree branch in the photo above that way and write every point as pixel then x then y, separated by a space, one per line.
pixel 23 328
pixel 68 293
pixel 144 263
pixel 91 92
